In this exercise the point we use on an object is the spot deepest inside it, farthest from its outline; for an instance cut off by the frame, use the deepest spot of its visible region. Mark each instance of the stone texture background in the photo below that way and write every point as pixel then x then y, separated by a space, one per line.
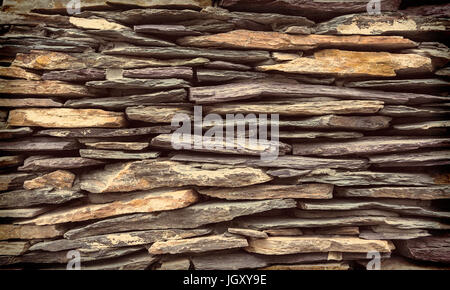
pixel 85 121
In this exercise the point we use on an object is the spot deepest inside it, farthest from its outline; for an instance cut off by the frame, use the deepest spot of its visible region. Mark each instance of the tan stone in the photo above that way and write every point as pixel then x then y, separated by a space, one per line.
pixel 300 109
pixel 66 118
pixel 268 40
pixel 100 24
pixel 314 244
pixel 18 73
pixel 148 174
pixel 197 245
pixel 310 191
pixel 28 232
pixel 320 266
pixel 60 179
pixel 139 203
pixel 13 248
pixel 355 64
pixel 43 88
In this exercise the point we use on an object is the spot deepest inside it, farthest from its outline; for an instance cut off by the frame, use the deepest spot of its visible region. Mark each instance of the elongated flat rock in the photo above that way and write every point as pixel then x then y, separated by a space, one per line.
pixel 317 134
pixel 269 223
pixel 368 145
pixel 155 113
pixel 99 132
pixel 133 146
pixel 293 245
pixel 28 232
pixel 424 193
pixel 190 52
pixel 23 212
pixel 318 266
pixel 76 75
pixel 287 161
pixel 341 178
pixel 43 88
pixel 148 84
pixel 118 155
pixel 60 179
pixel 13 248
pixel 66 118
pixel 315 9
pixel 25 198
pixel 43 60
pixel 228 261
pixel 36 163
pixel 268 88
pixel 29 102
pixel 414 207
pixel 18 73
pixel 39 144
pixel 398 24
pixel 410 85
pixel 423 125
pixel 148 174
pixel 143 202
pixel 312 191
pixel 405 111
pixel 234 146
pixel 430 158
pixel 435 249
pixel 181 72
pixel 300 109
pixel 189 217
pixel 118 240
pixel 268 40
pixel 177 95
pixel 197 245
pixel 204 75
pixel 343 63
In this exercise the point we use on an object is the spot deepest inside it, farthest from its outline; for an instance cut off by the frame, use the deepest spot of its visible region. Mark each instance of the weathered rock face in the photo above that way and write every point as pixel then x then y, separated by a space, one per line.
pixel 59 179
pixel 148 174
pixel 342 63
pixel 351 103
pixel 141 202
pixel 245 39
pixel 66 118
pixel 292 245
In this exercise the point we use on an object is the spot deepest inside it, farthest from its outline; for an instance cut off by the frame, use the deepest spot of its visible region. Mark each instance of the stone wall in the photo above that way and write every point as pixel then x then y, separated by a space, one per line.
pixel 87 160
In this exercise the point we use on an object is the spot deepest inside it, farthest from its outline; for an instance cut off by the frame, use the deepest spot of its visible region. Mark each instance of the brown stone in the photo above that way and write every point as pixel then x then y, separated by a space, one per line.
pixel 435 249
pixel 310 191
pixel 134 146
pixel 66 118
pixel 300 109
pixel 60 179
pixel 248 233
pixel 292 245
pixel 36 163
pixel 28 232
pixel 423 193
pixel 343 63
pixel 18 73
pixel 368 145
pixel 141 202
pixel 13 248
pixel 43 88
pixel 148 174
pixel 29 102
pixel 155 114
pixel 197 245
pixel 26 198
pixel 268 40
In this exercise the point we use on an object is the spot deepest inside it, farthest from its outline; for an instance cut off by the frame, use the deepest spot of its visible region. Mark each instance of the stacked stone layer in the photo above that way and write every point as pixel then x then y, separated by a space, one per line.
pixel 88 164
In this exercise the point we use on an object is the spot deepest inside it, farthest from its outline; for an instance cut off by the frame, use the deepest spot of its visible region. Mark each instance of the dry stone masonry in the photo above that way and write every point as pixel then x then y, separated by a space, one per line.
pixel 88 99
